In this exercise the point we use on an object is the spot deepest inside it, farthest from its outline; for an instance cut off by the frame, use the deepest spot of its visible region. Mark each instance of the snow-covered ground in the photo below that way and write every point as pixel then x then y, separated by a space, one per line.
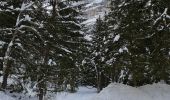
pixel 3 96
pixel 83 93
pixel 114 91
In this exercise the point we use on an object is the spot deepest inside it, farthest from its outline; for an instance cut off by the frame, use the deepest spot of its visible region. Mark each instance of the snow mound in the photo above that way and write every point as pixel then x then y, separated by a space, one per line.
pixel 3 96
pixel 116 91
pixel 157 91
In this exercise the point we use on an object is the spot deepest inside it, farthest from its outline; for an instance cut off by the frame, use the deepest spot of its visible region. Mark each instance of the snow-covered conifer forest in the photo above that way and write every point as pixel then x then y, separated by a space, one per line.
pixel 84 49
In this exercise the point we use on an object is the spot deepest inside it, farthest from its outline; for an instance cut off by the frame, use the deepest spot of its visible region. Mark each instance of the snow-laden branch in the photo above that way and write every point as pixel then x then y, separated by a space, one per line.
pixel 24 6
pixel 7 29
pixel 71 22
pixel 164 14
pixel 1 58
pixel 66 50
pixel 31 29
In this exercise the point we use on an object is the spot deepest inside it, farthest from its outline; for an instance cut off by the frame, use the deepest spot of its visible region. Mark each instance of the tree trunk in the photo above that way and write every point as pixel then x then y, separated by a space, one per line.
pixel 6 64
pixel 98 82
pixel 5 77
pixel 41 80
pixel 41 91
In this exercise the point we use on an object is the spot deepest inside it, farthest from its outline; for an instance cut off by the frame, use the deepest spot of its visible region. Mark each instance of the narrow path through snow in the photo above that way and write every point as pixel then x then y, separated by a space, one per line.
pixel 83 93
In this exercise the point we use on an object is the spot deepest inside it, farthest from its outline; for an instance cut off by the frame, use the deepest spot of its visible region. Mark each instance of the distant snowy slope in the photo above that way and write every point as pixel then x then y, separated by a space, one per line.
pixel 97 1
pixel 117 91
pixel 93 9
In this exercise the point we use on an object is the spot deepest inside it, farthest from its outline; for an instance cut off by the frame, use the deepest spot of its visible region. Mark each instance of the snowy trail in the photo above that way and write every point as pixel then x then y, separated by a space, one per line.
pixel 83 93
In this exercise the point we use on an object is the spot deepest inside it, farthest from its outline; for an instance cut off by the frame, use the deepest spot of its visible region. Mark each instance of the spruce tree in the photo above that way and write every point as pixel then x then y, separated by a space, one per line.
pixel 66 30
pixel 159 50
pixel 100 54
pixel 135 22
